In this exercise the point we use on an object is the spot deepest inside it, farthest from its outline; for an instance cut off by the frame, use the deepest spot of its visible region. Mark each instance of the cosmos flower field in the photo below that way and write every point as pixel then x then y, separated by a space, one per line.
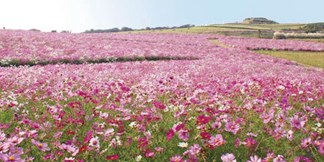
pixel 156 97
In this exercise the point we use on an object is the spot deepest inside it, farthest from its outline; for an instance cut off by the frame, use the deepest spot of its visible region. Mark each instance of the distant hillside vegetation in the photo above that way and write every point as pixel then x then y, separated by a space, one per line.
pixel 314 27
pixel 258 20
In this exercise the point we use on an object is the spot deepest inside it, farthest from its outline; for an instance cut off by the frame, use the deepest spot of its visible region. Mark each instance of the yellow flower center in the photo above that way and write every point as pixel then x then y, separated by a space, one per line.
pixel 11 158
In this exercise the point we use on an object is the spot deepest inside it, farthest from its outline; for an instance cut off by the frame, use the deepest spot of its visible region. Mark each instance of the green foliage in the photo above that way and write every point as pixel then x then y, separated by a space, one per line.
pixel 315 59
pixel 314 27
pixel 6 116
pixel 258 20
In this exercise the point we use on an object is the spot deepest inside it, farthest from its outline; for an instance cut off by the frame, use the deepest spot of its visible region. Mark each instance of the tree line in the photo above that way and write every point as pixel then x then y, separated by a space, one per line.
pixel 125 29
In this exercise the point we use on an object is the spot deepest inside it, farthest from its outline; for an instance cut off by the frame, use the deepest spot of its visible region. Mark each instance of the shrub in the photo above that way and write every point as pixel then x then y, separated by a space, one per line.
pixel 278 35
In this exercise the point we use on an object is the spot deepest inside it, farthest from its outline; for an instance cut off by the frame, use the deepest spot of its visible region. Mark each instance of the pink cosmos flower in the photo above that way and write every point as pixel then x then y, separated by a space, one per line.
pixel 267 116
pixel 183 134
pixel 281 120
pixel 4 147
pixel 321 148
pixel 290 135
pixel 16 150
pixel 232 127
pixel 306 142
pixel 70 148
pixel 237 142
pixel 297 122
pixel 215 141
pixel 279 132
pixel 109 132
pixel 149 153
pixel 94 143
pixel 2 136
pixel 269 157
pixel 254 158
pixel 302 159
pixel 15 140
pixel 176 158
pixel 11 158
pixel 279 158
pixel 250 143
pixel 42 146
pixel 158 149
pixel 193 151
pixel 216 125
pixel 229 157
pixel 58 135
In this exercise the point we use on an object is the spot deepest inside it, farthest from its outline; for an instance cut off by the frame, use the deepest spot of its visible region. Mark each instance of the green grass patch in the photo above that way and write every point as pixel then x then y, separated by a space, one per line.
pixel 6 116
pixel 312 40
pixel 315 59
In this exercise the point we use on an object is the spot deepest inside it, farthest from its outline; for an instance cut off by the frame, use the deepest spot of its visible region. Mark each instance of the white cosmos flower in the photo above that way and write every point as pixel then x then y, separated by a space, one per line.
pixel 132 124
pixel 138 158
pixel 183 144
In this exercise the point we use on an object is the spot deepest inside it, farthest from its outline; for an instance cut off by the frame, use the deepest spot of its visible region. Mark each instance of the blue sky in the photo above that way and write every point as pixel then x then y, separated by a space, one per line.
pixel 79 15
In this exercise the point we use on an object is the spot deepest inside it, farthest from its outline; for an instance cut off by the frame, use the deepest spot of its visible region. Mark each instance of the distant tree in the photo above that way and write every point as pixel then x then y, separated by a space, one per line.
pixel 65 31
pixel 54 31
pixel 185 26
pixel 35 30
pixel 114 30
pixel 126 29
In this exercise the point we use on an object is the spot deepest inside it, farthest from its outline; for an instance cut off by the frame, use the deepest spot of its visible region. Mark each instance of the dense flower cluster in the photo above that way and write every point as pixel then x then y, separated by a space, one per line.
pixel 231 104
pixel 22 47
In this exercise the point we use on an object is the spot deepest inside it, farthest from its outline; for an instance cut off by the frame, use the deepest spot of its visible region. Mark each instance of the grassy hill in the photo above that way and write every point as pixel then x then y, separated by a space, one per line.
pixel 237 29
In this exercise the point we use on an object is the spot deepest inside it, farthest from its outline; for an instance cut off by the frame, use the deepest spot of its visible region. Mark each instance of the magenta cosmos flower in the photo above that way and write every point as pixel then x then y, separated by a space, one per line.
pixel 202 119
